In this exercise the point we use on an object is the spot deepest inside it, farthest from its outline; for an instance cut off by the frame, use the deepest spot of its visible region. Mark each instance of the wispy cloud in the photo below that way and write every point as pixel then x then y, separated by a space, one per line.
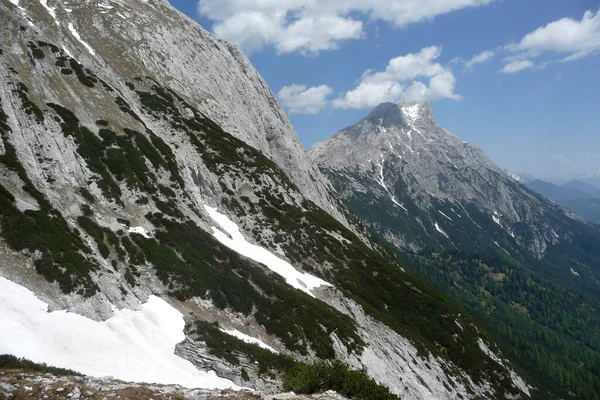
pixel 479 59
pixel 516 66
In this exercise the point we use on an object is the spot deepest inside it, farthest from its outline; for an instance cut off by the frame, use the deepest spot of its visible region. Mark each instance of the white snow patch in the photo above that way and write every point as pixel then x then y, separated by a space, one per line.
pixel 249 339
pixel 398 204
pixel 78 37
pixel 380 177
pixel 445 215
pixel 51 10
pixel 412 112
pixel 555 235
pixel 410 148
pixel 233 238
pixel 496 218
pixel 517 177
pixel 459 216
pixel 140 230
pixel 459 325
pixel 408 134
pixel 134 346
pixel 440 230
pixel 67 51
pixel 496 243
pixel 383 185
pixel 574 272
pixel 16 3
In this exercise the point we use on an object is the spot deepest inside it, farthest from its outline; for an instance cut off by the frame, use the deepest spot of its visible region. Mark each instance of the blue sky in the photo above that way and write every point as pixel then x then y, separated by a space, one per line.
pixel 532 102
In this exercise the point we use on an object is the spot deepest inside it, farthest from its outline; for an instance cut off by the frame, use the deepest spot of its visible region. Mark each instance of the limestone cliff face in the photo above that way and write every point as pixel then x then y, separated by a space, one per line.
pixel 151 38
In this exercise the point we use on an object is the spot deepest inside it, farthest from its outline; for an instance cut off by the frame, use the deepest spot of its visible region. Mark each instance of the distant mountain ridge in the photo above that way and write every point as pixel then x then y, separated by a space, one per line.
pixel 580 197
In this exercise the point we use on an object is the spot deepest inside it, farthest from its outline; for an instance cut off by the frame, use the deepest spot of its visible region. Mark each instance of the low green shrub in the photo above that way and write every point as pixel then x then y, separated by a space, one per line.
pixel 15 363
pixel 336 376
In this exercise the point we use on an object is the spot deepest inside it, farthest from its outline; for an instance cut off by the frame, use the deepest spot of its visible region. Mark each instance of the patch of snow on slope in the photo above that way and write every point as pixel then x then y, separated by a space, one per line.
pixel 398 204
pixel 459 325
pixel 412 112
pixel 68 52
pixel 383 185
pixel 440 230
pixel 380 177
pixel 16 3
pixel 249 339
pixel 574 272
pixel 78 37
pixel 445 215
pixel 51 10
pixel 496 218
pixel 233 238
pixel 134 346
pixel 140 230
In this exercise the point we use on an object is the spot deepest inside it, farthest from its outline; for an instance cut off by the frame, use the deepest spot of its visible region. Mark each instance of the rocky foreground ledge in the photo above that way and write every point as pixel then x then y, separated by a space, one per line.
pixel 17 384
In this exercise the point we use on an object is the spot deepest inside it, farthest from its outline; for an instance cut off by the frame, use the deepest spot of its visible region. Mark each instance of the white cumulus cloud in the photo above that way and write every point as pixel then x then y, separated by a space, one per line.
pixel 311 26
pixel 402 80
pixel 299 99
pixel 575 39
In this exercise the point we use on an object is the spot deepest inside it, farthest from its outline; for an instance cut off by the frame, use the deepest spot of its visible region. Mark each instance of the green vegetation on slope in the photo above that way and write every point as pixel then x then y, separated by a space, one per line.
pixel 553 333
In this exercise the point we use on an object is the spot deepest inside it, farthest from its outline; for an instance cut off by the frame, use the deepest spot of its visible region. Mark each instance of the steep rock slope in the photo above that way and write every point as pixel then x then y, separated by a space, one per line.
pixel 420 187
pixel 119 181
pixel 151 38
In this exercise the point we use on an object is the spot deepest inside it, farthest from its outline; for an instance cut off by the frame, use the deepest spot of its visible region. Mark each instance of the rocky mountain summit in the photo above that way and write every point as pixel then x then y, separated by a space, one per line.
pixel 419 186
pixel 160 222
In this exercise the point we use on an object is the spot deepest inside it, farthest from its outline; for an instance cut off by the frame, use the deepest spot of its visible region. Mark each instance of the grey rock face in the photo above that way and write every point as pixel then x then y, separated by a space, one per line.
pixel 151 38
